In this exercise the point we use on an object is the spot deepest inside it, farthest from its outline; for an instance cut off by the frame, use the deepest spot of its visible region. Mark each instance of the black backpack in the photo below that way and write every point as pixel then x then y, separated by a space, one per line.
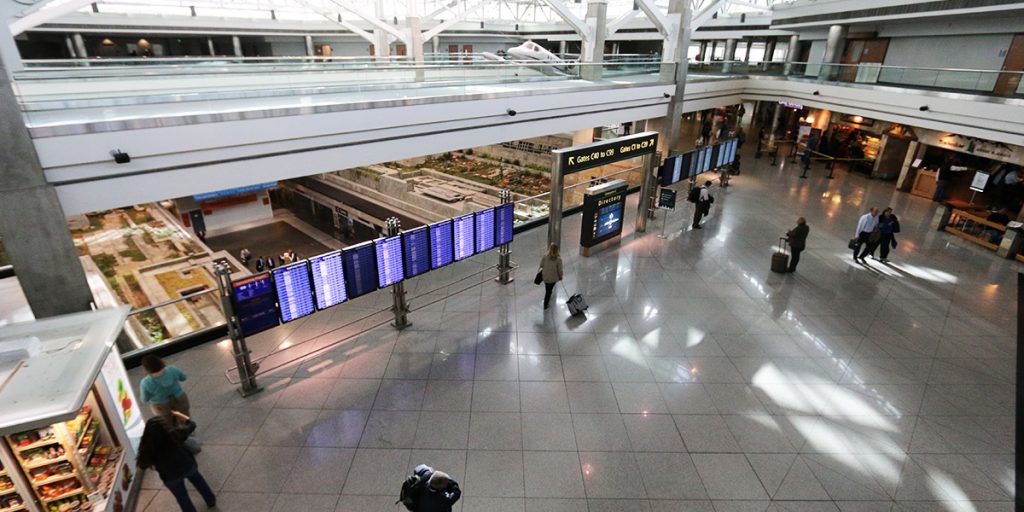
pixel 410 489
pixel 694 195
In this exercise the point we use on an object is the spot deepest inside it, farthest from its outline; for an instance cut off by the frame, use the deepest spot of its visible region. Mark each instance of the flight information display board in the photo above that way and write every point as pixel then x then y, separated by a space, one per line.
pixel 360 269
pixel 294 291
pixel 698 157
pixel 416 251
pixel 708 153
pixel 484 229
pixel 389 260
pixel 731 147
pixel 504 222
pixel 441 244
pixel 328 279
pixel 463 236
pixel 672 170
pixel 255 303
pixel 692 162
pixel 720 151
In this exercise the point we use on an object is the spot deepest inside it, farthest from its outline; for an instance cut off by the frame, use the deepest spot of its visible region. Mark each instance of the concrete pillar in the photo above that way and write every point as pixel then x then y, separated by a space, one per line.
pixel 80 46
pixel 381 40
pixel 237 44
pixel 593 48
pixel 615 48
pixel 437 43
pixel 730 55
pixel 711 54
pixel 794 43
pixel 769 50
pixel 32 223
pixel 310 51
pixel 71 47
pixel 563 47
pixel 746 55
pixel 775 123
pixel 209 45
pixel 670 141
pixel 834 47
pixel 703 51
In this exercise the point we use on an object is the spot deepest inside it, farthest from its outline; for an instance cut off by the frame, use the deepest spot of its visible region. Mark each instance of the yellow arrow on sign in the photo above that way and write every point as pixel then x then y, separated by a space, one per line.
pixel 572 160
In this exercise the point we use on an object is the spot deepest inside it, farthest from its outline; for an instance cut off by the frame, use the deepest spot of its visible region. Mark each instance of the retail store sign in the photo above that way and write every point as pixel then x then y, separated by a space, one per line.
pixel 587 156
pixel 790 104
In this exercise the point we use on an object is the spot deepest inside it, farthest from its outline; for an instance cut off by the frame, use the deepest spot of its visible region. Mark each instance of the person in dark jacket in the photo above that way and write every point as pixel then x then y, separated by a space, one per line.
pixel 162 448
pixel 888 226
pixel 797 241
pixel 439 493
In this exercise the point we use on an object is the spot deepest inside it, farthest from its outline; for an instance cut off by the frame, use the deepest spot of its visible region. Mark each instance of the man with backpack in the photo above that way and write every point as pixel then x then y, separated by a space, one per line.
pixel 701 197
pixel 427 490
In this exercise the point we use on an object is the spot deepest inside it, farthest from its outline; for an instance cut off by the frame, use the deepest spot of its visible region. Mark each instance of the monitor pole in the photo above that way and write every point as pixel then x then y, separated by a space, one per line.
pixel 239 348
pixel 393 227
pixel 505 250
pixel 645 208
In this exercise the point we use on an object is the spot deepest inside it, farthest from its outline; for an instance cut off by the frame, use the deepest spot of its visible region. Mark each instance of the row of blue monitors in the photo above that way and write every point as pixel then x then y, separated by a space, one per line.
pixel 335 277
pixel 692 163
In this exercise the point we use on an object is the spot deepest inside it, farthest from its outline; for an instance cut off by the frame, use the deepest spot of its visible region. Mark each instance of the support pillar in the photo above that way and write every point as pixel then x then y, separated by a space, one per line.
pixel 746 54
pixel 703 57
pixel 645 206
pixel 32 224
pixel 670 141
pixel 239 348
pixel 80 46
pixel 593 48
pixel 711 54
pixel 310 51
pixel 400 308
pixel 775 125
pixel 769 51
pixel 437 44
pixel 794 43
pixel 505 250
pixel 209 45
pixel 555 202
pixel 730 55
pixel 834 47
pixel 563 47
pixel 71 47
pixel 236 43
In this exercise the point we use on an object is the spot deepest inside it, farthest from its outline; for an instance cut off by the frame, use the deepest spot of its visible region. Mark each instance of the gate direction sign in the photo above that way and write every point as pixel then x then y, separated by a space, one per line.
pixel 579 158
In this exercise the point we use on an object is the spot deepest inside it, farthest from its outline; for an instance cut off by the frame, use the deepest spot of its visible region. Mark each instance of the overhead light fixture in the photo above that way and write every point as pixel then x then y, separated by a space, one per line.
pixel 858 119
pixel 481 24
pixel 517 27
pixel 120 156
pixel 743 17
pixel 667 95
pixel 339 17
pixel 107 42
pixel 923 108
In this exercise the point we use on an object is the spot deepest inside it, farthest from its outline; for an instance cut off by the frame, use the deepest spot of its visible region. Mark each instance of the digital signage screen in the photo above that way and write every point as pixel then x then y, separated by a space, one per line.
pixel 360 269
pixel 692 164
pixel 463 236
pixel 698 157
pixel 708 153
pixel 603 209
pixel 294 291
pixel 416 251
pixel 733 145
pixel 328 279
pixel 389 260
pixel 484 230
pixel 672 170
pixel 441 244
pixel 720 152
pixel 255 303
pixel 504 222
pixel 609 219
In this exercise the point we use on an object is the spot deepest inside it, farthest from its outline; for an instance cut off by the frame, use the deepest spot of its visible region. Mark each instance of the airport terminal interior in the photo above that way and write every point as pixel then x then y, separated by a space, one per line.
pixel 300 250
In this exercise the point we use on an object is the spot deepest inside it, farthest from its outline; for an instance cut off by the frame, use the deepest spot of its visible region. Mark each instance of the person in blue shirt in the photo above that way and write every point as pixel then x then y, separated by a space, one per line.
pixel 161 389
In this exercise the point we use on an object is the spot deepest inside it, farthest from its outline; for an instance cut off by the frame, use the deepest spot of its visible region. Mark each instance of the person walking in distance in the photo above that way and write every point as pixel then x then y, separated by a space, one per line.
pixel 439 493
pixel 551 272
pixel 888 226
pixel 797 241
pixel 161 389
pixel 702 204
pixel 866 226
pixel 162 448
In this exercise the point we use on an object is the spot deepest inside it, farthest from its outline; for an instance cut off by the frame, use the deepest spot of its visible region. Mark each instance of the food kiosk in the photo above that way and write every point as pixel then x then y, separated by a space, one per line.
pixel 69 419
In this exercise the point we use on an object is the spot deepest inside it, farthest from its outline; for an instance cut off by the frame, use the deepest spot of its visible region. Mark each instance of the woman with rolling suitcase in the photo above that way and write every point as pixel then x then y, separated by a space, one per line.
pixel 550 272
pixel 797 242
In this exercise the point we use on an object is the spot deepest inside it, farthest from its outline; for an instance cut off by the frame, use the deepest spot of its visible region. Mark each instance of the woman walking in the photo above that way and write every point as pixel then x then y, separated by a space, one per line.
pixel 888 225
pixel 161 388
pixel 162 448
pixel 551 272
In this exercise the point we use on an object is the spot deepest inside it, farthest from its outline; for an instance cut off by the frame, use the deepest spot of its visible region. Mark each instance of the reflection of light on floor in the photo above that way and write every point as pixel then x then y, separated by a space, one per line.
pixel 628 350
pixel 694 336
pixel 902 270
pixel 942 485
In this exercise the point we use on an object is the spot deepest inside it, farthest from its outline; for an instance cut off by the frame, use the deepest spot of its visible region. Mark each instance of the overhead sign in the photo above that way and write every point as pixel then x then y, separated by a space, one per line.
pixel 580 158
pixel 206 196
pixel 667 199
pixel 790 104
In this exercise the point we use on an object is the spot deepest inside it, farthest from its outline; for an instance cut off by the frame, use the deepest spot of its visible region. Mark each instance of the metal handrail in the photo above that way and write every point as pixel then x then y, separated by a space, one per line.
pixel 171 301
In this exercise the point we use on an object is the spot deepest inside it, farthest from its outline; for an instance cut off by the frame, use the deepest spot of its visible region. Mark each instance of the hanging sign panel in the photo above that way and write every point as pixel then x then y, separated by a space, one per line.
pixel 580 158
pixel 255 303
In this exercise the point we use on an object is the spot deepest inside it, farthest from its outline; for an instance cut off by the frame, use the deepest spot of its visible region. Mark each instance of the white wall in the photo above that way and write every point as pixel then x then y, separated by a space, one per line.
pixel 229 216
pixel 815 58
pixel 964 52
pixel 288 48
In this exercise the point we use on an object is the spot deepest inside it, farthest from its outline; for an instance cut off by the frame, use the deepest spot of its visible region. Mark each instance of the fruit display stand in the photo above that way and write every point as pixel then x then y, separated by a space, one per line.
pixel 68 416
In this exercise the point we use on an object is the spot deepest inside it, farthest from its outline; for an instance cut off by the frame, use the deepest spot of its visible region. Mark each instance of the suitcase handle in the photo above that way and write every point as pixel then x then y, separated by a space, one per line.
pixel 783 242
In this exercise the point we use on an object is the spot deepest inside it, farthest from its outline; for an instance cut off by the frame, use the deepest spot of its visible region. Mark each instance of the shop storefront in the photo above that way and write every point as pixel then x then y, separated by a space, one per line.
pixel 68 416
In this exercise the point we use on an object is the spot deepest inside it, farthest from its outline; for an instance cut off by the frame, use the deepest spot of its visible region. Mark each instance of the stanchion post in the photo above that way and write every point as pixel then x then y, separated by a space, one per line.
pixel 505 250
pixel 239 348
pixel 393 227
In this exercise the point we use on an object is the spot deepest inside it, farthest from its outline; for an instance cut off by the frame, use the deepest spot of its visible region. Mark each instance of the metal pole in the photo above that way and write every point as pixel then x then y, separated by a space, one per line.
pixel 400 308
pixel 555 202
pixel 645 207
pixel 239 348
pixel 505 251
pixel 664 220
pixel 1019 413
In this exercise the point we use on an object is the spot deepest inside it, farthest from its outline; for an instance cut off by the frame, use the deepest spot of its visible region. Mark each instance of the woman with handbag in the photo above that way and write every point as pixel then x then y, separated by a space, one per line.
pixel 550 272
pixel 888 226
pixel 163 448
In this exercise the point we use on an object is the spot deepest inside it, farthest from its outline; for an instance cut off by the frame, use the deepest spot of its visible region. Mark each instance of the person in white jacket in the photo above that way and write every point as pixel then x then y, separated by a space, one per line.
pixel 551 272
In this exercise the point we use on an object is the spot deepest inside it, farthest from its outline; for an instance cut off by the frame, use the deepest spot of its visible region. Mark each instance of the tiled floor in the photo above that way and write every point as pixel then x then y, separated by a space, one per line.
pixel 698 381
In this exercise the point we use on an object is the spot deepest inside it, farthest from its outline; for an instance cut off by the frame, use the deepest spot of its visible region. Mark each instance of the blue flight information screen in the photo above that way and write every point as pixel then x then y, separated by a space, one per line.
pixel 609 219
pixel 294 291
pixel 255 303
pixel 416 251
pixel 360 269
pixel 484 230
pixel 708 153
pixel 328 279
pixel 504 221
pixel 463 236
pixel 389 260
pixel 441 244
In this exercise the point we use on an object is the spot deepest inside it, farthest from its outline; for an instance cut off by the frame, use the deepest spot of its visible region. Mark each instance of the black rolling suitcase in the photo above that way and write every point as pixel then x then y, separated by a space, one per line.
pixel 780 259
pixel 577 306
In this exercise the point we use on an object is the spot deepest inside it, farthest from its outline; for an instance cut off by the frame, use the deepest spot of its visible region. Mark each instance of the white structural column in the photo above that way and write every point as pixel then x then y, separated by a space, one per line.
pixel 71 47
pixel 593 47
pixel 794 43
pixel 679 14
pixel 415 46
pixel 730 55
pixel 381 39
pixel 236 43
pixel 80 46
pixel 210 47
pixel 769 51
pixel 834 46
pixel 310 51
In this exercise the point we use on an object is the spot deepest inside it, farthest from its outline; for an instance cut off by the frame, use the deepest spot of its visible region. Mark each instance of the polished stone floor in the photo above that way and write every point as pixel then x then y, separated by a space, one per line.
pixel 698 380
